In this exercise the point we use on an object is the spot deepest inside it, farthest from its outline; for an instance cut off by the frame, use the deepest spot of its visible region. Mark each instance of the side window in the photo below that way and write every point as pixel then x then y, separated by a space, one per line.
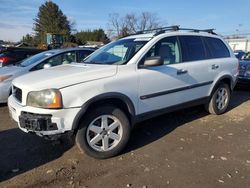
pixel 83 54
pixel 217 48
pixel 167 49
pixel 192 48
pixel 64 58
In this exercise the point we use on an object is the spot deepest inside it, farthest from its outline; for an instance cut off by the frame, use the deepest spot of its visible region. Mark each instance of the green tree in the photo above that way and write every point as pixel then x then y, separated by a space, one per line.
pixel 30 40
pixel 97 35
pixel 50 19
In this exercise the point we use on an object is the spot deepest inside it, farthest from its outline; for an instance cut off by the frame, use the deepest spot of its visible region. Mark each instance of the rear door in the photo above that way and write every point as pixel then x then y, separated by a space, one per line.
pixel 201 69
pixel 220 58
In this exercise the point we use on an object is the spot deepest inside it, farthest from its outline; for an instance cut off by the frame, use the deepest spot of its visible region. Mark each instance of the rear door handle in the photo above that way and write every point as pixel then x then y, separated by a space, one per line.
pixel 215 67
pixel 181 71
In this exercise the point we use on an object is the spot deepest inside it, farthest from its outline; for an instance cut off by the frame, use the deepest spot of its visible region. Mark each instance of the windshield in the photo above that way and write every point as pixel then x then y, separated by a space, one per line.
pixel 35 58
pixel 246 56
pixel 118 52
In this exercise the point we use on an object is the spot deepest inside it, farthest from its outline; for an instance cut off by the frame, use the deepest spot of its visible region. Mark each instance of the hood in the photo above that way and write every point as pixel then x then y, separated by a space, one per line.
pixel 15 71
pixel 10 70
pixel 64 75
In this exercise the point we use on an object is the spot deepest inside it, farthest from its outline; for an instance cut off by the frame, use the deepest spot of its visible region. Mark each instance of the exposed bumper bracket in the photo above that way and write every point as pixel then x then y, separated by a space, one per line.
pixel 36 122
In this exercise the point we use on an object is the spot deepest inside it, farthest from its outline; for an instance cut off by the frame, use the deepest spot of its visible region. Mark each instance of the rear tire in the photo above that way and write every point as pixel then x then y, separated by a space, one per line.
pixel 103 132
pixel 219 100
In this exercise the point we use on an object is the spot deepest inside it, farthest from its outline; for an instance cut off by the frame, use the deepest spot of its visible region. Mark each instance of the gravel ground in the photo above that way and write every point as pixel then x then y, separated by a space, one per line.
pixel 187 148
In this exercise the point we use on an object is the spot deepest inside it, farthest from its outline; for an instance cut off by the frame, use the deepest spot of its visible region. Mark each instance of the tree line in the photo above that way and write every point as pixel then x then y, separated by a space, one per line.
pixel 51 19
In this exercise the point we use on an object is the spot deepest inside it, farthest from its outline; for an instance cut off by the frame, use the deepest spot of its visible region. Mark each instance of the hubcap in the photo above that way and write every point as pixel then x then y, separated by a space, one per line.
pixel 222 98
pixel 104 133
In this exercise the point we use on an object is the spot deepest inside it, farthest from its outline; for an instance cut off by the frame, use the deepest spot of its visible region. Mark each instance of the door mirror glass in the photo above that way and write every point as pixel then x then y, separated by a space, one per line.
pixel 153 61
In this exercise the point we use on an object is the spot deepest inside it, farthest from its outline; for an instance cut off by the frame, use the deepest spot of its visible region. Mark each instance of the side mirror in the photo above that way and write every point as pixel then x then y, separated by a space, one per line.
pixel 153 61
pixel 46 66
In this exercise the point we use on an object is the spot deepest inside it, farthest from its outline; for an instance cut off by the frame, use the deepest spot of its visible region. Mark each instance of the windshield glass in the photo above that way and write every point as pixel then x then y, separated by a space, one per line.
pixel 118 52
pixel 35 58
pixel 246 56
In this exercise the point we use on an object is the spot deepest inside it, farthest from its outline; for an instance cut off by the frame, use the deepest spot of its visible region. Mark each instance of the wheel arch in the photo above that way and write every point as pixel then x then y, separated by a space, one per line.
pixel 113 98
pixel 224 79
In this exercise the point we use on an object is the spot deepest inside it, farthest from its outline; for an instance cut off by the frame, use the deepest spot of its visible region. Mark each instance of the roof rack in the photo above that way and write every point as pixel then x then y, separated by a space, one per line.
pixel 175 28
pixel 161 29
pixel 211 31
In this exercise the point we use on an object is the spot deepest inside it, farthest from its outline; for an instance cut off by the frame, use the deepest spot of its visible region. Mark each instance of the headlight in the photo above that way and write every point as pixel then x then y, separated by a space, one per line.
pixel 4 77
pixel 49 98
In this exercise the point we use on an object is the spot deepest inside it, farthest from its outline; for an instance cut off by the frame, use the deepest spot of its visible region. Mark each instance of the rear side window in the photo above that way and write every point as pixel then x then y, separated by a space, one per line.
pixel 192 48
pixel 217 48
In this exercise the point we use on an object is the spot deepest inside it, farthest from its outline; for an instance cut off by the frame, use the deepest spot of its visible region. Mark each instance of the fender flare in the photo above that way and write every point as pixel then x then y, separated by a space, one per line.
pixel 104 96
pixel 232 83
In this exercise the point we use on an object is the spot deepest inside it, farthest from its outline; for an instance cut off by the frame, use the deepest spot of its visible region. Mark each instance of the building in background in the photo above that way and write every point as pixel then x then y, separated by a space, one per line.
pixel 239 44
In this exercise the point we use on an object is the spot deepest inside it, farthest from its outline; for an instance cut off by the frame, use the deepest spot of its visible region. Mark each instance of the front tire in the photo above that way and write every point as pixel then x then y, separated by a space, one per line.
pixel 219 100
pixel 104 132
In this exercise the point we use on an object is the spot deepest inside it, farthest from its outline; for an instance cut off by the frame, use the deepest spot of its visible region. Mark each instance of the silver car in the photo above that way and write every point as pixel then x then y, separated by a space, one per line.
pixel 37 62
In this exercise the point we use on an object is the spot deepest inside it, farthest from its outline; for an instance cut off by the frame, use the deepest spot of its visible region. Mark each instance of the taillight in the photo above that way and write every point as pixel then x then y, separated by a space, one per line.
pixel 4 59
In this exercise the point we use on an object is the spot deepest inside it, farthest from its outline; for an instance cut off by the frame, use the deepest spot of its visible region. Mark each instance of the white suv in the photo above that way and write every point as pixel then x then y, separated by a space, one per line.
pixel 126 81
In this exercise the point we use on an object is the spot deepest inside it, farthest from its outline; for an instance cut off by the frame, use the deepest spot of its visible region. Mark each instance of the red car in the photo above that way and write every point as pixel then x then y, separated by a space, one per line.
pixel 13 55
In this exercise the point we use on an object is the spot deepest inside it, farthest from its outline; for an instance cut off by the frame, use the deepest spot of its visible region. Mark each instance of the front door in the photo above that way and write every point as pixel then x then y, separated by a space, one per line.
pixel 165 85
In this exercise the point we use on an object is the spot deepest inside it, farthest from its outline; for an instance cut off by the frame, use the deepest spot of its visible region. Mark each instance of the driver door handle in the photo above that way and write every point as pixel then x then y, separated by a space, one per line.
pixel 181 71
pixel 215 66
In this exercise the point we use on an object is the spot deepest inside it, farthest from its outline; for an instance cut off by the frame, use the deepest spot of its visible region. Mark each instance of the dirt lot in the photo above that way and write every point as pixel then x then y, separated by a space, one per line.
pixel 188 148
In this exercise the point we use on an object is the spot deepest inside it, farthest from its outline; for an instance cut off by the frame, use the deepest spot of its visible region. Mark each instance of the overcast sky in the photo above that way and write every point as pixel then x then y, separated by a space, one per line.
pixel 226 16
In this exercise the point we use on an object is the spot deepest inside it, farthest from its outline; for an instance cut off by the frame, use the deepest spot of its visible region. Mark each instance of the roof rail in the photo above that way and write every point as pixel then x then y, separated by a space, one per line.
pixel 161 29
pixel 211 31
pixel 175 28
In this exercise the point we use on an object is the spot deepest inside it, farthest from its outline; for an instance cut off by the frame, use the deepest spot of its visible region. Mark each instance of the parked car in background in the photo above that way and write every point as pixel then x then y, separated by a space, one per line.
pixel 244 70
pixel 13 55
pixel 239 54
pixel 39 61
pixel 125 82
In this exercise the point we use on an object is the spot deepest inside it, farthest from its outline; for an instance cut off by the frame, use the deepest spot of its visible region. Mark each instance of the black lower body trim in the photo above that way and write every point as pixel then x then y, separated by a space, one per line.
pixel 148 115
pixel 174 90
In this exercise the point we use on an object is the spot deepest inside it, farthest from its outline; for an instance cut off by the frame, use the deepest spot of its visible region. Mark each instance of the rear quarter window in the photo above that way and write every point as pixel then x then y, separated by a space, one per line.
pixel 192 48
pixel 217 48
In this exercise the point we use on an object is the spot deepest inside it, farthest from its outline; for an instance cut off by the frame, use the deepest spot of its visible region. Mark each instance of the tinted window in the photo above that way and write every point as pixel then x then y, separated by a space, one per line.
pixel 83 54
pixel 217 48
pixel 192 48
pixel 167 49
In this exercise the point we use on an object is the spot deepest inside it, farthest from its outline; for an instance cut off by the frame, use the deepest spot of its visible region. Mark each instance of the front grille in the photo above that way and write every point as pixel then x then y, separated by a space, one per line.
pixel 17 93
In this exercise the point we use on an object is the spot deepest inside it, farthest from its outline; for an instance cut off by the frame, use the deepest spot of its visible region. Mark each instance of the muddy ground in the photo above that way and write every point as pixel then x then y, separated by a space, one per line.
pixel 187 148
